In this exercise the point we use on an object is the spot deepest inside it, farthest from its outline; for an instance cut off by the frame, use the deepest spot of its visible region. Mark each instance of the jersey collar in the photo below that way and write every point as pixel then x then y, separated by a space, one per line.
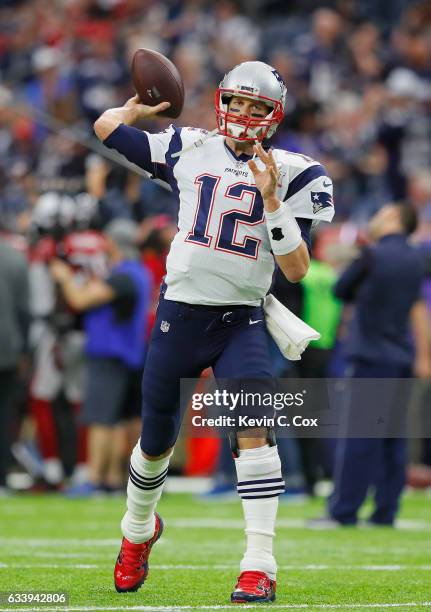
pixel 242 157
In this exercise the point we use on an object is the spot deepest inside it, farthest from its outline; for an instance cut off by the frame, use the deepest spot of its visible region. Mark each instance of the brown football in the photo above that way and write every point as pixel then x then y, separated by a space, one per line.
pixel 156 79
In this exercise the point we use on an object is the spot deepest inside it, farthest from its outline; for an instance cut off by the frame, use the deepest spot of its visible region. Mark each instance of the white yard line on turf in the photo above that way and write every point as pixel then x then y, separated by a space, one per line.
pixel 409 604
pixel 33 542
pixel 50 555
pixel 49 566
pixel 21 546
pixel 312 567
pixel 225 566
pixel 202 523
pixel 198 523
pixel 65 555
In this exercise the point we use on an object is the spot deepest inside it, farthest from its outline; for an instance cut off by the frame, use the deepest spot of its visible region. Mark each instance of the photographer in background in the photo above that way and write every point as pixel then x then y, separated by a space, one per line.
pixel 115 322
pixel 63 225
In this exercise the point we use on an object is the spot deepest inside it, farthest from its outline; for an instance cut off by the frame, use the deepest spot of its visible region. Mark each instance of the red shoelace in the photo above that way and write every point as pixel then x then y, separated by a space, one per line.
pixel 132 557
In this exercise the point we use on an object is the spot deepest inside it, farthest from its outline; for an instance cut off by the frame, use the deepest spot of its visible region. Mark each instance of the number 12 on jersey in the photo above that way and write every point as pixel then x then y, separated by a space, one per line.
pixel 229 221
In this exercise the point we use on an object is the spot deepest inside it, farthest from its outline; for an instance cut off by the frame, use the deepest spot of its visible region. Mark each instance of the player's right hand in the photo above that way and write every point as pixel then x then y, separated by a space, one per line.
pixel 143 111
pixel 132 111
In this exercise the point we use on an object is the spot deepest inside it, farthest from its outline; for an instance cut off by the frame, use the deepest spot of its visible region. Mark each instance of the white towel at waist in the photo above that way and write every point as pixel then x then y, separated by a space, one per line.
pixel 291 335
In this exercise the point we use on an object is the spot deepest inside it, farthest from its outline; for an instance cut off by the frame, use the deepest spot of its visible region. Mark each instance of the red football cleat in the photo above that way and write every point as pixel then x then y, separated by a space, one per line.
pixel 131 568
pixel 253 587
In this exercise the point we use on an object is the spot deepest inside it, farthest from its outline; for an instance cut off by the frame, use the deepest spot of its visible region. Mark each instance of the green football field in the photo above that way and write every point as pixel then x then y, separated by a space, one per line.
pixel 49 543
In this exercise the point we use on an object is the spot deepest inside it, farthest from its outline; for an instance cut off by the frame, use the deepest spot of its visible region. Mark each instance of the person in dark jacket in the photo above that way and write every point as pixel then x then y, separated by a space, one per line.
pixel 384 283
pixel 14 320
pixel 115 322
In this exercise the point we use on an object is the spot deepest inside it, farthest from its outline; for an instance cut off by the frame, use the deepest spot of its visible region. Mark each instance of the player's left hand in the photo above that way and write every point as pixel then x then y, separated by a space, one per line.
pixel 266 180
pixel 60 271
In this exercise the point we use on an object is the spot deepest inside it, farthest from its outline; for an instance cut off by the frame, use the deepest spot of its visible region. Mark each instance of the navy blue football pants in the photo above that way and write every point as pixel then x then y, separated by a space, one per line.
pixel 364 462
pixel 186 339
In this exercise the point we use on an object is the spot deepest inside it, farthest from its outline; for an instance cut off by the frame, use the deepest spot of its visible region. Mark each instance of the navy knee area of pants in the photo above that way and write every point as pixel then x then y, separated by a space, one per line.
pixel 159 432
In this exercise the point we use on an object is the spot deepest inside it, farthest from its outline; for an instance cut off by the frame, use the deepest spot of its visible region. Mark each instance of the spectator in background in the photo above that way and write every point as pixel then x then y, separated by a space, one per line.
pixel 155 235
pixel 51 90
pixel 60 226
pixel 405 128
pixel 385 284
pixel 115 324
pixel 419 192
pixel 321 310
pixel 99 70
pixel 326 53
pixel 14 319
pixel 115 188
pixel 236 38
pixel 419 197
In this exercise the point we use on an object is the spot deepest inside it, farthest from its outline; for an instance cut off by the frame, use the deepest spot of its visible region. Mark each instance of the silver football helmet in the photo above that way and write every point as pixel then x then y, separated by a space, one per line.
pixel 255 81
pixel 53 210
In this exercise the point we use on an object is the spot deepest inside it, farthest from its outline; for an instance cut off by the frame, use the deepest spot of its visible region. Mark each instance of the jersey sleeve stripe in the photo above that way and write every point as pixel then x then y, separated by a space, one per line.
pixel 133 144
pixel 175 145
pixel 165 172
pixel 303 179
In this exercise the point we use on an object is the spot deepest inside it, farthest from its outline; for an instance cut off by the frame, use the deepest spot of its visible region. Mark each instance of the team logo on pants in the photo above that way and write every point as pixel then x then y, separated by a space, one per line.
pixel 164 326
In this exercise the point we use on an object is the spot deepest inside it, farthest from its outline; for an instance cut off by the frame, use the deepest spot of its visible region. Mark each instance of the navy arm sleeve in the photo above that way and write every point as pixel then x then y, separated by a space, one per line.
pixel 305 227
pixel 349 281
pixel 134 145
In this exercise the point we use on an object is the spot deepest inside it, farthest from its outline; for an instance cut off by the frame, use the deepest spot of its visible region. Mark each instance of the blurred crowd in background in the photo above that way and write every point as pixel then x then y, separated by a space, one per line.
pixel 358 74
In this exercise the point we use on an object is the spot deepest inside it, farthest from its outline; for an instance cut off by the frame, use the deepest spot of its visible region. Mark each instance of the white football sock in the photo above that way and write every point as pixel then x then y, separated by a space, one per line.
pixel 144 489
pixel 259 484
pixel 53 471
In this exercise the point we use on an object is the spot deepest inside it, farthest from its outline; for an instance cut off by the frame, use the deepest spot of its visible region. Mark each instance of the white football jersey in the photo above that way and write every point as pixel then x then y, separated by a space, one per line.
pixel 222 253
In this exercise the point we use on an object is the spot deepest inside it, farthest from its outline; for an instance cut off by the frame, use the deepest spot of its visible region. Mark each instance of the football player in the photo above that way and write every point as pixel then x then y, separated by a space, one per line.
pixel 241 209
pixel 61 227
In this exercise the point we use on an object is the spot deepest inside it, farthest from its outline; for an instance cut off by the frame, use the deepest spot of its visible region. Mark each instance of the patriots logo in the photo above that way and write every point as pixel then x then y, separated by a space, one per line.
pixel 278 77
pixel 164 326
pixel 262 587
pixel 320 200
pixel 277 234
pixel 282 84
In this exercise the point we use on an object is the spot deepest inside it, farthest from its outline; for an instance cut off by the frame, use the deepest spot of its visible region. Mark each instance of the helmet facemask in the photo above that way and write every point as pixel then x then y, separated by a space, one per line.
pixel 246 129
